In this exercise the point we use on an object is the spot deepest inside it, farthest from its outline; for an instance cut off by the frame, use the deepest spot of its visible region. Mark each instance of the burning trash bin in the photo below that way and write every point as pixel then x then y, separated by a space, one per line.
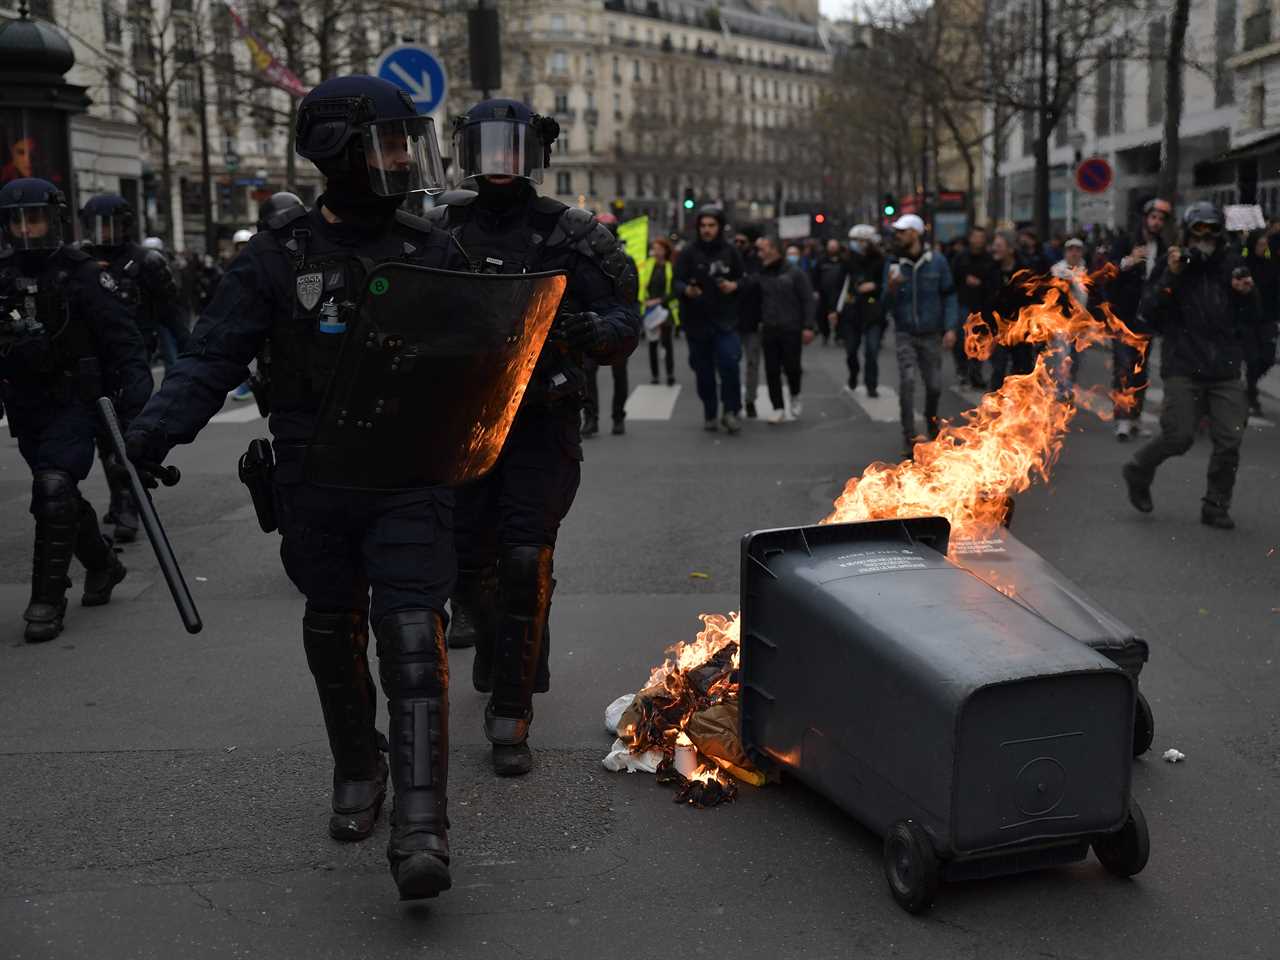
pixel 1013 568
pixel 974 736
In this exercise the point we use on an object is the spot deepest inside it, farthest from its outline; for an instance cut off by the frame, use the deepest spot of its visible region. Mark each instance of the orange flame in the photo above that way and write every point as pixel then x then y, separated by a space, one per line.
pixel 997 450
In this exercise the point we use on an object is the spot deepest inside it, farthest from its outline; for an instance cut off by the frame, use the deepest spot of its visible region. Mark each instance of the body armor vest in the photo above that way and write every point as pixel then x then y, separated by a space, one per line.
pixel 45 351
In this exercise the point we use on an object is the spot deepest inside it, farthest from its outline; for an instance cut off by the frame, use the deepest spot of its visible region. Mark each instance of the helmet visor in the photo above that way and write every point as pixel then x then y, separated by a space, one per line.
pixel 105 231
pixel 499 148
pixel 403 156
pixel 32 227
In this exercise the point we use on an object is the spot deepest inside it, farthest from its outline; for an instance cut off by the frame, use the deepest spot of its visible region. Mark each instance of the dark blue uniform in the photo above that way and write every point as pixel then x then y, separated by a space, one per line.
pixel 66 337
pixel 507 522
pixel 337 545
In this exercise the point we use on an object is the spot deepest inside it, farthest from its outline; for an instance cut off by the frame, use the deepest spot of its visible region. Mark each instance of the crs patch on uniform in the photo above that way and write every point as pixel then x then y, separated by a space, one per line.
pixel 310 286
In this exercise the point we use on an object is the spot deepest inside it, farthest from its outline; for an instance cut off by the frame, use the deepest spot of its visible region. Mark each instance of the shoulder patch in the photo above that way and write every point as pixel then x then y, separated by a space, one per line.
pixel 108 282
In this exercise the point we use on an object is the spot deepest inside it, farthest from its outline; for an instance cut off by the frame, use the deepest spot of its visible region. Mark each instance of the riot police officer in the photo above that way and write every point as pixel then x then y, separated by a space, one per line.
pixel 143 273
pixel 360 556
pixel 145 279
pixel 507 522
pixel 67 336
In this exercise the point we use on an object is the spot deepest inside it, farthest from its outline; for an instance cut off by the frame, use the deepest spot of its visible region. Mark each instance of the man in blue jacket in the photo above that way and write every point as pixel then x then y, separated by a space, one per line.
pixel 920 296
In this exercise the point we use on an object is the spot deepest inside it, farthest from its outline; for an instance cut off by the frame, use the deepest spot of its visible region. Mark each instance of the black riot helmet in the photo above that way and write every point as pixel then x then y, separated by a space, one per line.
pixel 33 215
pixel 107 221
pixel 367 137
pixel 503 138
pixel 1203 212
pixel 273 212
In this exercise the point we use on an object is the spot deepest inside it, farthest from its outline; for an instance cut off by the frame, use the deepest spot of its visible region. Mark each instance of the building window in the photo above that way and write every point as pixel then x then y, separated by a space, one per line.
pixel 558 23
pixel 635 70
pixel 559 62
pixel 617 106
pixel 1224 90
pixel 1102 99
pixel 653 72
pixel 111 28
pixel 186 93
pixel 562 102
pixel 591 183
pixel 113 93
pixel 1157 53
pixel 1257 106
pixel 617 70
pixel 564 182
pixel 619 185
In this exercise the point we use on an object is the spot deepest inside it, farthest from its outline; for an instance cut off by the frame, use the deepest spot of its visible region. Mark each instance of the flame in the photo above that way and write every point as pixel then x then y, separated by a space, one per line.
pixel 968 475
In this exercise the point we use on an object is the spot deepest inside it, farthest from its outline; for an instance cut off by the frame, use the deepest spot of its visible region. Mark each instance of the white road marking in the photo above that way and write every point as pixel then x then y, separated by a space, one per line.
pixel 652 402
pixel 882 408
pixel 245 414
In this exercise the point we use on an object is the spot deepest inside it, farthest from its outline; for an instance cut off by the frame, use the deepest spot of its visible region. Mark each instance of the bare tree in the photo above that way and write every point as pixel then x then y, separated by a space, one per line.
pixel 1170 151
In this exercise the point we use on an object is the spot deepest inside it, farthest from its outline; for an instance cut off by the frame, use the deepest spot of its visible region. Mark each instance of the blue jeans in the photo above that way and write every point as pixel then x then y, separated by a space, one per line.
pixel 719 353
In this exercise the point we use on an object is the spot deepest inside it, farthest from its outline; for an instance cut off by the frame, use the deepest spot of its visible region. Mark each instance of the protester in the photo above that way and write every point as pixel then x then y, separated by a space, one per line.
pixel 977 280
pixel 706 281
pixel 786 322
pixel 1009 299
pixel 1203 303
pixel 1065 357
pixel 657 297
pixel 1260 340
pixel 860 308
pixel 749 317
pixel 1136 262
pixel 828 280
pixel 921 298
pixel 1031 252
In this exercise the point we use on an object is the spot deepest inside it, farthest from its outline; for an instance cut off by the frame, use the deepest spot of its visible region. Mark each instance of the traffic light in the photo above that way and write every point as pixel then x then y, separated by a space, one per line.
pixel 689 200
pixel 890 205
pixel 819 218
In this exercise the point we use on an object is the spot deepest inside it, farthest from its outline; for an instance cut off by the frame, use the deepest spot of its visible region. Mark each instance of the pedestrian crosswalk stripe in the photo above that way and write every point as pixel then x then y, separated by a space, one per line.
pixel 238 415
pixel 652 402
pixel 882 408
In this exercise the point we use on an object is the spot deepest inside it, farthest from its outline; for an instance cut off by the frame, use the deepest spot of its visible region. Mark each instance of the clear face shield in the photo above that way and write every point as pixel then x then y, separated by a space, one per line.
pixel 499 148
pixel 36 227
pixel 105 231
pixel 403 156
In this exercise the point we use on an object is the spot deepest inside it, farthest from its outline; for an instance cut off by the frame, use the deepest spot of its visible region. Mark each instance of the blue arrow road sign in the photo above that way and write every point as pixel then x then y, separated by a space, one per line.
pixel 417 72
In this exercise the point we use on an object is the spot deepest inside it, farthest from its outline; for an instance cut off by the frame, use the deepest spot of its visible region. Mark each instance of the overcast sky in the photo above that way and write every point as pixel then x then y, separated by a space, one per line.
pixel 836 9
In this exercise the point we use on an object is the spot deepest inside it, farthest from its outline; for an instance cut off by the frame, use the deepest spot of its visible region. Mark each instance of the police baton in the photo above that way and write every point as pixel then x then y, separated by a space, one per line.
pixel 151 521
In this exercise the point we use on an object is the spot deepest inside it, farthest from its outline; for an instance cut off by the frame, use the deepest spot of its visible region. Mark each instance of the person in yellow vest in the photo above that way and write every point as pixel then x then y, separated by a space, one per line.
pixel 660 307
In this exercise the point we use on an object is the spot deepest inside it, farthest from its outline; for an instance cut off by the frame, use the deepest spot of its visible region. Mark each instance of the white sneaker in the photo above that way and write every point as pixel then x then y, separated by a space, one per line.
pixel 797 408
pixel 779 416
pixel 1124 429
pixel 847 391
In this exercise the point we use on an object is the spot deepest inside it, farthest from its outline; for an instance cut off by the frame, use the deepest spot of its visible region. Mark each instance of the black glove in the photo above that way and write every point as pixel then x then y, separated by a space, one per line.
pixel 587 332
pixel 146 452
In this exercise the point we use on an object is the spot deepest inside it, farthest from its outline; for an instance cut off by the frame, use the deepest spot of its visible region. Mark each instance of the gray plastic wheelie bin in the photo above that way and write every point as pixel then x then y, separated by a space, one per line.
pixel 974 736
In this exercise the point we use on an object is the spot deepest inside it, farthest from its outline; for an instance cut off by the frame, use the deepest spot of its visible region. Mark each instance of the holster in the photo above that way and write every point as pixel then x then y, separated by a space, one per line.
pixel 257 472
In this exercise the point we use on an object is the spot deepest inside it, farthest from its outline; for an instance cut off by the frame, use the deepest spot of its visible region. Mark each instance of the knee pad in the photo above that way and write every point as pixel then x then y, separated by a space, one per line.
pixel 524 578
pixel 411 654
pixel 330 640
pixel 54 496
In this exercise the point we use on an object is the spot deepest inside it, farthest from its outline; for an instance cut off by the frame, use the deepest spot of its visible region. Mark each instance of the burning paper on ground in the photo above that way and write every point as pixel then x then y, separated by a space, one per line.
pixel 969 475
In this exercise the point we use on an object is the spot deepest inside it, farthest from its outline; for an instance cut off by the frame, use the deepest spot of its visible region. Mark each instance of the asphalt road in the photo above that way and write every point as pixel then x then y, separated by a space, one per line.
pixel 166 795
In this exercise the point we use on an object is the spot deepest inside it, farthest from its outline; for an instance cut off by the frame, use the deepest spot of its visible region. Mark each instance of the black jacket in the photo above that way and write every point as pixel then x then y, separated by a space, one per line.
pixel 864 308
pixel 1125 291
pixel 828 281
pixel 81 340
pixel 1204 322
pixel 786 298
pixel 707 264
pixel 975 299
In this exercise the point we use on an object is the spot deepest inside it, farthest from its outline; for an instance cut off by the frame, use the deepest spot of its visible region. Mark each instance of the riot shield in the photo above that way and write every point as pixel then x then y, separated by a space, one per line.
pixel 430 376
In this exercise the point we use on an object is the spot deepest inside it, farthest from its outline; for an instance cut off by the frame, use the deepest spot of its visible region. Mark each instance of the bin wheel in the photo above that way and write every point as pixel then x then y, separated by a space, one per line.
pixel 910 866
pixel 1125 852
pixel 1144 726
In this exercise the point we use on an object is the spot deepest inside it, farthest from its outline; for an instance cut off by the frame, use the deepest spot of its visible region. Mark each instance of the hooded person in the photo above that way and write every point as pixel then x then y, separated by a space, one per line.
pixel 706 282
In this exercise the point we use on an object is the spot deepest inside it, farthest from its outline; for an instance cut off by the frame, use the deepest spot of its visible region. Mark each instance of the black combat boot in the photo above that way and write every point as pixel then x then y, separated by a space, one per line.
pixel 124 515
pixel 931 413
pixel 413 664
pixel 1139 487
pixel 103 569
pixel 337 653
pixel 524 576
pixel 55 505
pixel 1214 514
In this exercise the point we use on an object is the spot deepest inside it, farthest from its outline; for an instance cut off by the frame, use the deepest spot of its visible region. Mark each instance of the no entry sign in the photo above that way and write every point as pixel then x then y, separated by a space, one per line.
pixel 1094 175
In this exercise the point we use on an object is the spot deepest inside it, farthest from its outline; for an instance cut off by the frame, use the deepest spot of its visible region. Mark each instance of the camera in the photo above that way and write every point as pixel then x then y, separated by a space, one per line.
pixel 1192 255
